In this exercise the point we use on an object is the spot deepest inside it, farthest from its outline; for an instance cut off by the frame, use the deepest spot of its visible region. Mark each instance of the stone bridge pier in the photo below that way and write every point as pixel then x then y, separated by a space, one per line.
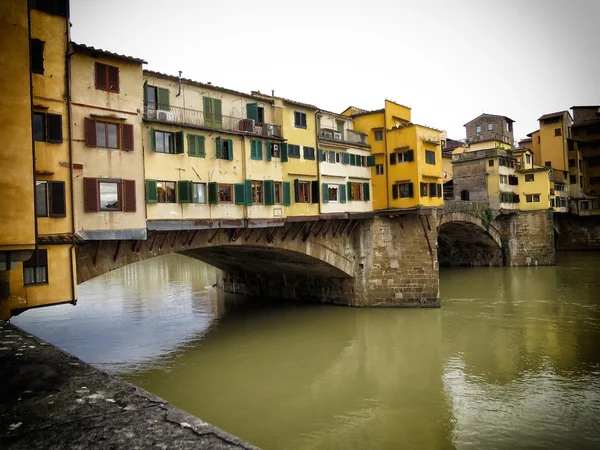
pixel 374 261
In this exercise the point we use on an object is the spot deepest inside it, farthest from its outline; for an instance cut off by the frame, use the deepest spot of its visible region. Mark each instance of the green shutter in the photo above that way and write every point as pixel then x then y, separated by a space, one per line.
pixel 321 155
pixel 200 146
pixel 184 191
pixel 179 142
pixel 366 192
pixel 252 149
pixel 191 141
pixel 409 155
pixel 349 191
pixel 345 158
pixel 219 147
pixel 259 150
pixel 216 110
pixel 325 189
pixel 268 151
pixel 284 152
pixel 439 190
pixel 287 200
pixel 395 189
pixel 269 192
pixel 213 196
pixel 411 190
pixel 152 138
pixel 239 194
pixel 370 161
pixel 296 190
pixel 146 93
pixel 331 157
pixel 252 111
pixel 249 192
pixel 342 193
pixel 163 99
pixel 230 152
pixel 151 192
pixel 208 116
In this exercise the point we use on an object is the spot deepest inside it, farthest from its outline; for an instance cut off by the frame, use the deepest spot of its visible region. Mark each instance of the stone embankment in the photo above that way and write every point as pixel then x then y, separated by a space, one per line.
pixel 52 400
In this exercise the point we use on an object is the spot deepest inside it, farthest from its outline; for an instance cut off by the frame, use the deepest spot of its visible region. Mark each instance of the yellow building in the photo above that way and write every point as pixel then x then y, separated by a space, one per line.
pixel 210 153
pixel 408 160
pixel 36 158
pixel 108 162
pixel 345 163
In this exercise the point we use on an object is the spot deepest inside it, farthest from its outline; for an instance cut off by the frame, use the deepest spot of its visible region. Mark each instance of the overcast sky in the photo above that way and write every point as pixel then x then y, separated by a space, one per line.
pixel 449 60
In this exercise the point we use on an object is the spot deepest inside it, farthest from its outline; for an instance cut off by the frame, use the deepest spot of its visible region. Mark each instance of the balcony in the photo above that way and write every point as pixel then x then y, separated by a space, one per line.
pixel 350 136
pixel 194 118
pixel 588 207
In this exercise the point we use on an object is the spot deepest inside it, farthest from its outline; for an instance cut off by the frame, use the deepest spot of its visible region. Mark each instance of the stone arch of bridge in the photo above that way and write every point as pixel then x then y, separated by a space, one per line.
pixel 464 240
pixel 275 251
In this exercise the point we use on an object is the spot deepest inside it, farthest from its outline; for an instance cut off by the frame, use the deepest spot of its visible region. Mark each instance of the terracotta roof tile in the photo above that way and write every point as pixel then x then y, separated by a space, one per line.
pixel 89 49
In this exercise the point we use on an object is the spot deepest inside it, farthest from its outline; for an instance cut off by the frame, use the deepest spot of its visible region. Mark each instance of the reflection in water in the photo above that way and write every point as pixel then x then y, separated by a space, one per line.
pixel 511 360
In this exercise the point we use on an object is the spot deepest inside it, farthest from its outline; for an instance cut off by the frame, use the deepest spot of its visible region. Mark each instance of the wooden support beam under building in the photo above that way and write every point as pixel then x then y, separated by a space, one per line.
pixel 320 229
pixel 336 229
pixel 286 231
pixel 191 240
pixel 96 252
pixel 164 239
pixel 262 231
pixel 153 240
pixel 117 251
pixel 328 228
pixel 307 233
pixel 235 234
pixel 212 238
pixel 174 239
pixel 299 230
pixel 271 235
pixel 426 236
pixel 249 234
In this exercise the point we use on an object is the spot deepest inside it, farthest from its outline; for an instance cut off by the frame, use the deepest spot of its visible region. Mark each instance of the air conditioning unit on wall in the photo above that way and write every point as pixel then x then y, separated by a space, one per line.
pixel 337 135
pixel 167 116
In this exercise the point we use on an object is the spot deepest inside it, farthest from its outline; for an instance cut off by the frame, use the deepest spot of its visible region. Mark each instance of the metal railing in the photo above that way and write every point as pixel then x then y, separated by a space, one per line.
pixel 192 117
pixel 346 136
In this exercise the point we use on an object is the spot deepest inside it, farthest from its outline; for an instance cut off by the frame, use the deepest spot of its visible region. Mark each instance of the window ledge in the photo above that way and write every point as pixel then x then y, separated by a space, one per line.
pixel 108 116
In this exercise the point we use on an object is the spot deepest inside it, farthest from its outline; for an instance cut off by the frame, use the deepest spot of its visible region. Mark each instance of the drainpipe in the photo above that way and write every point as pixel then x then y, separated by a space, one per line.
pixel 317 157
pixel 244 175
pixel 33 165
pixel 385 163
pixel 179 85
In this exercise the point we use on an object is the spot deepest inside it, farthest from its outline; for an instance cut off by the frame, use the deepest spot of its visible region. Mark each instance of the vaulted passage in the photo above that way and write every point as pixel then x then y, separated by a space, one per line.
pixel 467 244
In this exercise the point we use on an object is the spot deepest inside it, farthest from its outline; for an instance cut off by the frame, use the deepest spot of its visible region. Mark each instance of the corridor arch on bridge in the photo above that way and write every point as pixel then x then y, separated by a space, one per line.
pixel 464 240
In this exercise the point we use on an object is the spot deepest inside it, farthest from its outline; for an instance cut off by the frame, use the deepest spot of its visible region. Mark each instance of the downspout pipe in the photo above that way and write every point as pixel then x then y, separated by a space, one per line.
pixel 317 112
pixel 385 161
pixel 33 165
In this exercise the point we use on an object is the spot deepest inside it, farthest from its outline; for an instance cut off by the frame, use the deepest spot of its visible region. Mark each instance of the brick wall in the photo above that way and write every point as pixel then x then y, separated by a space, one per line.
pixel 470 176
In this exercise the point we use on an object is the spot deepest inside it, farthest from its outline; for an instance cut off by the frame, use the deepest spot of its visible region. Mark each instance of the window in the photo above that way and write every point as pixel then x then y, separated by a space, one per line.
pixel 532 198
pixel 338 157
pixel 572 179
pixel 551 203
pixel 196 145
pixel 107 77
pixel 478 129
pixel 378 135
pixel 464 195
pixel 509 126
pixel 332 193
pixel 278 192
pixel 57 7
pixel 558 132
pixel 224 148
pixel 571 163
pixel 293 151
pixel 303 191
pixel 529 177
pixel 504 179
pixel 429 157
pixel 299 119
pixel 379 169
pixel 491 162
pixel 157 98
pixel 356 191
pixel 165 142
pixel 528 158
pixel 405 190
pixel 47 127
pixel 198 193
pixel 594 180
pixel 35 269
pixel 213 115
pixel 109 135
pixel 309 153
pixel 256 113
pixel 166 191
pixel 331 157
pixel 257 192
pixel 400 157
pixel 509 197
pixel 50 199
pixel 255 150
pixel 339 125
pixel 490 126
pixel 275 150
pixel 225 193
pixel 37 56
pixel 424 189
pixel 548 164
pixel 110 195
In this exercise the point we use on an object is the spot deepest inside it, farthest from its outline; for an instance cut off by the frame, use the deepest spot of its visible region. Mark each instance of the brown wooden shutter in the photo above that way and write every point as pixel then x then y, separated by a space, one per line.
pixel 58 200
pixel 129 195
pixel 90 194
pixel 101 76
pixel 55 134
pixel 90 132
pixel 127 140
pixel 113 78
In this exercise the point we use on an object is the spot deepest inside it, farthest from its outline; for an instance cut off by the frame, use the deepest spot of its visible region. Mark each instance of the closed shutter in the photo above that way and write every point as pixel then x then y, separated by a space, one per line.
pixel 411 190
pixel 392 159
pixel 439 190
pixel 163 99
pixel 252 111
pixel 55 132
pixel 239 194
pixel 113 78
pixel 58 201
pixel 395 189
pixel 252 149
pixel 200 146
pixel 409 155
pixel 249 192
pixel 284 152
pixel 179 143
pixel 208 116
pixel 287 197
pixel 216 109
pixel 100 70
pixel 432 189
pixel 345 158
pixel 230 149
pixel 331 157
pixel 259 152
pixel 129 203
pixel 146 93
pixel 191 141
pixel 370 161
pixel 213 196
pixel 153 139
pixel 296 190
pixel 219 147
pixel 342 188
pixel 325 189
pixel 269 192
pixel 366 192
pixel 321 155
pixel 314 187
pixel 127 141
pixel 90 194
pixel 268 150
pixel 90 132
pixel 184 191
pixel 349 191
pixel 151 191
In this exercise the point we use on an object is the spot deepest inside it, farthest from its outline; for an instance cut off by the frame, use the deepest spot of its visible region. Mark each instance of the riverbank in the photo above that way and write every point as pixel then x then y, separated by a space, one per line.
pixel 51 399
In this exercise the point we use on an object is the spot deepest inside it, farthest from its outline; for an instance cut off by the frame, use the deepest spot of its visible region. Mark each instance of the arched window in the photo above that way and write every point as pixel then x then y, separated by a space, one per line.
pixel 464 195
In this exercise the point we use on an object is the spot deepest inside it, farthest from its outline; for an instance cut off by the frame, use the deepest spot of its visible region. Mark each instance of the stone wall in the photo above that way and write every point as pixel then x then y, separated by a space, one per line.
pixel 530 238
pixel 470 176
pixel 577 232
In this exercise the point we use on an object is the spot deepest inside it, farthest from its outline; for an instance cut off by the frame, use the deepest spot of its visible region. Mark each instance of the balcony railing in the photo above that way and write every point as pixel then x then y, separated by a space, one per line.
pixel 192 117
pixel 347 136
pixel 465 206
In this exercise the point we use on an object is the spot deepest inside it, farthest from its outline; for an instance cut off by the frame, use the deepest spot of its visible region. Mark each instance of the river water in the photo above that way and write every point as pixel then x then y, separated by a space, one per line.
pixel 511 360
